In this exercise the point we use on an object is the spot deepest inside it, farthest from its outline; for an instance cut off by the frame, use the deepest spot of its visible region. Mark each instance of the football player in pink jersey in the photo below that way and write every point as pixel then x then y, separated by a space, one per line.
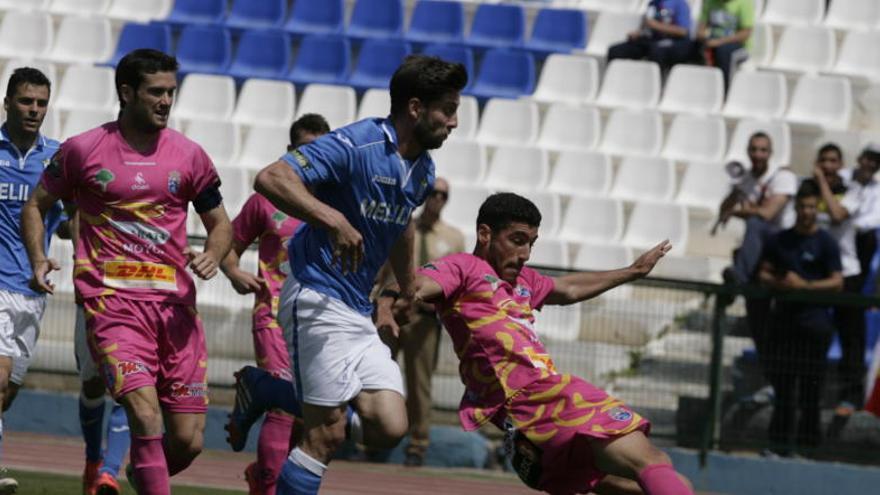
pixel 564 435
pixel 132 180
pixel 260 221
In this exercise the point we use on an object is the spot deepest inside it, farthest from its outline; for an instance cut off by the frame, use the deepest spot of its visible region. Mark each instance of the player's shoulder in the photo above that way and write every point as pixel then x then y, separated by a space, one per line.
pixel 362 133
pixel 177 141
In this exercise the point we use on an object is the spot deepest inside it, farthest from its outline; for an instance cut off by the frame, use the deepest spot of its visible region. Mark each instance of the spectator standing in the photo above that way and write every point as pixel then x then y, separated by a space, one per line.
pixel 664 37
pixel 723 33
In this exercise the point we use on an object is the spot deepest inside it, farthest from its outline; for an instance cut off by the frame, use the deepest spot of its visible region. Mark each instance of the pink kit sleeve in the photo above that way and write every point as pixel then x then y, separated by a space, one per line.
pixel 541 285
pixel 203 173
pixel 248 226
pixel 60 176
pixel 450 272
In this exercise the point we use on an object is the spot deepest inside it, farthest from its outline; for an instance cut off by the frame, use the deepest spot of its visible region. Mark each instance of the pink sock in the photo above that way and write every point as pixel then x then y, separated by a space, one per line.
pixel 661 479
pixel 272 449
pixel 150 469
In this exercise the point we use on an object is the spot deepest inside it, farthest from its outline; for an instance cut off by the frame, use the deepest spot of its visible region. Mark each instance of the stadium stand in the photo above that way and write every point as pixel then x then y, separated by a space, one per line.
pixel 509 122
pixel 82 40
pixel 695 137
pixel 262 145
pixel 25 34
pixel 794 12
pixel 822 101
pixel 196 12
pixel 206 97
pixel 376 62
pixel 581 173
pixel 497 26
pixel 338 104
pixel 139 10
pixel 461 162
pixel 375 102
pixel 83 7
pixel 324 59
pixel 558 30
pixel 805 49
pixel 853 14
pixel 265 102
pixel 257 14
pixel 633 132
pixel 261 54
pixel 437 21
pixel 133 36
pixel 604 224
pixel 519 168
pixel 85 87
pixel 205 49
pixel 568 78
pixel 758 95
pixel 630 84
pixel 693 89
pixel 504 73
pixel 316 17
pixel 644 178
pixel 570 127
pixel 376 19
pixel 221 140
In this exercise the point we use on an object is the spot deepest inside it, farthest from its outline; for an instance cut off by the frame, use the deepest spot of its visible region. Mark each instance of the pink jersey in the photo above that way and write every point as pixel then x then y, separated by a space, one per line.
pixel 133 209
pixel 491 325
pixel 259 219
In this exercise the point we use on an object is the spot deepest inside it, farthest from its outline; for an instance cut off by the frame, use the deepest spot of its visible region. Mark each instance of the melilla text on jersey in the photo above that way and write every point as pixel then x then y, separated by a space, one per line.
pixel 14 191
pixel 380 211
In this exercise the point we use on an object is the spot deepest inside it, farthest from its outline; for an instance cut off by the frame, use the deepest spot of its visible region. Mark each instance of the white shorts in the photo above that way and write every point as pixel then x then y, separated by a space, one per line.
pixel 19 330
pixel 335 351
pixel 84 362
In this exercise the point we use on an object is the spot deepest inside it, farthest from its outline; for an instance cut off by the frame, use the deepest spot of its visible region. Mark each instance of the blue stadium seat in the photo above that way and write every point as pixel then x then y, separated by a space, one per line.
pixel 558 30
pixel 436 21
pixel 316 17
pixel 322 59
pixel 206 49
pixel 134 36
pixel 376 63
pixel 257 14
pixel 376 19
pixel 505 73
pixel 497 26
pixel 455 53
pixel 196 12
pixel 261 53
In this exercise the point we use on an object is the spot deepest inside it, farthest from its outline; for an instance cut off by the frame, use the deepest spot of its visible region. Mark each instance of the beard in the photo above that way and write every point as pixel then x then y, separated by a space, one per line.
pixel 426 137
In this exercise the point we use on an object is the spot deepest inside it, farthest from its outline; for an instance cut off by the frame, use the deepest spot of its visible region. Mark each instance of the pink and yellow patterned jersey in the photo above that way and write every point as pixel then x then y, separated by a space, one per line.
pixel 491 325
pixel 259 219
pixel 133 209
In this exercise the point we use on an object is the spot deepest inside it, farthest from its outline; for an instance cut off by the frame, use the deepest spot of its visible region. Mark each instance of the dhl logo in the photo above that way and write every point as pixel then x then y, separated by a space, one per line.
pixel 140 275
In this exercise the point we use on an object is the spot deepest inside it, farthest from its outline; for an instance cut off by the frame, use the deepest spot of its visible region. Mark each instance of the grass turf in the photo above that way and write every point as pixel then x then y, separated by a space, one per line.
pixel 36 483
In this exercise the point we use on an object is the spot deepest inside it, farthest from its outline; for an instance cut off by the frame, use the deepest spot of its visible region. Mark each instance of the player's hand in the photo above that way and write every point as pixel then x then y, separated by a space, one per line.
pixel 201 263
pixel 385 322
pixel 818 174
pixel 348 246
pixel 792 281
pixel 645 263
pixel 244 282
pixel 40 281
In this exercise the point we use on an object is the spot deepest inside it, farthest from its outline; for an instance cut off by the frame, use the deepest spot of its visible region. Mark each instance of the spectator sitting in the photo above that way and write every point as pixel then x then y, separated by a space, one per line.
pixel 804 258
pixel 723 33
pixel 663 38
pixel 868 223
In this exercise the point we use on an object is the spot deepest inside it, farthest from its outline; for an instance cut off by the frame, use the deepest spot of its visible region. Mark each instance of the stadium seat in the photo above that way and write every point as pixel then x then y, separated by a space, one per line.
pixel 703 185
pixel 497 26
pixel 205 49
pixel 595 257
pixel 377 61
pixel 82 40
pixel 436 21
pixel 853 14
pixel 558 31
pixel 644 178
pixel 763 47
pixel 220 139
pixel 858 56
pixel 780 135
pixel 256 14
pixel 592 220
pixel 461 162
pixel 139 10
pixel 468 118
pixel 85 87
pixel 554 322
pixel 324 59
pixel 261 54
pixel 757 94
pixel 338 104
pixel 376 19
pixel 455 53
pixel 262 146
pixel 694 137
pixel 520 168
pixel 630 84
pixel 633 132
pixel 79 7
pixel 824 101
pixel 196 12
pixel 794 12
pixel 570 127
pixel 83 120
pixel 611 5
pixel 651 222
pixel 806 49
pixel 134 36
pixel 505 74
pixel 586 173
pixel 374 103
pixel 51 123
pixel 462 212
pixel 205 97
pixel 235 187
pixel 25 34
pixel 569 79
pixel 551 252
pixel 609 29
pixel 265 102
pixel 316 17
pixel 509 122
pixel 550 206
pixel 693 89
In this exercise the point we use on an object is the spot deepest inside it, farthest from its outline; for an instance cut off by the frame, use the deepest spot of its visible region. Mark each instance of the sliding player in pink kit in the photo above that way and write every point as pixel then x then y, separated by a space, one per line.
pixel 260 220
pixel 132 181
pixel 564 434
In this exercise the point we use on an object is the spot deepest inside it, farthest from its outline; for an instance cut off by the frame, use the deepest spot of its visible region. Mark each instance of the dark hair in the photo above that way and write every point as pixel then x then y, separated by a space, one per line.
pixel 501 209
pixel 131 69
pixel 26 75
pixel 808 189
pixel 760 134
pixel 310 122
pixel 830 147
pixel 871 155
pixel 426 78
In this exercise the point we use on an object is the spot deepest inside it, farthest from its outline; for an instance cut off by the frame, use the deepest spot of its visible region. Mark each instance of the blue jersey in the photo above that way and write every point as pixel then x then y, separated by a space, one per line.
pixel 19 175
pixel 358 171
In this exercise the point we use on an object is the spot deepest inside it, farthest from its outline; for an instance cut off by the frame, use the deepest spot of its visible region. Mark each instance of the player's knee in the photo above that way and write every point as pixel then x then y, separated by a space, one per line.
pixel 9 396
pixel 187 444
pixel 388 433
pixel 93 388
pixel 145 420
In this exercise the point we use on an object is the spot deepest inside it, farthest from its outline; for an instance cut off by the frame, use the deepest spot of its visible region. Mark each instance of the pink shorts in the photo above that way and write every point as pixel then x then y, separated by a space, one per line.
pixel 550 424
pixel 271 352
pixel 150 344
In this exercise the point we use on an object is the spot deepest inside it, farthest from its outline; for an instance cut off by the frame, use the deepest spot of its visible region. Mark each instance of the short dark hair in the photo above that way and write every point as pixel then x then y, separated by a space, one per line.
pixel 131 69
pixel 808 189
pixel 426 78
pixel 760 134
pixel 870 154
pixel 26 75
pixel 310 122
pixel 830 147
pixel 501 209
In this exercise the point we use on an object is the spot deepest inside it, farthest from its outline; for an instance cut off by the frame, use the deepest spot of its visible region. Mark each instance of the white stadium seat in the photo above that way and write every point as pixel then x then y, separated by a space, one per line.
pixel 611 5
pixel 47 68
pixel 51 124
pixel 761 95
pixel 462 211
pixel 548 251
pixel 570 127
pixel 644 178
pixel 693 89
pixel 86 87
pixel 522 168
pixel 79 7
pixel 265 102
pixel 468 118
pixel 650 223
pixel 824 101
pixel 592 220
pixel 509 122
pixel 630 84
pixel 763 47
pixel 461 162
pixel 83 120
pixel 24 4
pixel 632 132
pixel 568 79
pixel 82 40
pixel 25 34
pixel 780 135
pixel 692 137
pixel 139 10
pixel 859 56
pixel 581 173
pixel 376 102
pixel 235 187
pixel 220 139
pixel 609 29
pixel 595 257
pixel 205 97
pixel 853 14
pixel 703 185
pixel 794 12
pixel 550 206
pixel 338 104
pixel 262 146
pixel 806 49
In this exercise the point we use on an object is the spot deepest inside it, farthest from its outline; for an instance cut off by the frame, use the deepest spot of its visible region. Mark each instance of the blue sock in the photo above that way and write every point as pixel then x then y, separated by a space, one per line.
pixel 276 393
pixel 300 475
pixel 118 440
pixel 91 421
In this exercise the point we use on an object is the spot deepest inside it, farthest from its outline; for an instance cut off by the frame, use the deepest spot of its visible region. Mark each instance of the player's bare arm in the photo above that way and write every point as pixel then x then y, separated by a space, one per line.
pixel 242 281
pixel 579 287
pixel 280 185
pixel 219 228
pixel 33 232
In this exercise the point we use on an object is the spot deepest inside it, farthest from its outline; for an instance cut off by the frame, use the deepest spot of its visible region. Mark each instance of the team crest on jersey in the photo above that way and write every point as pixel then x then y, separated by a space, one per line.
pixel 493 281
pixel 279 217
pixel 104 178
pixel 620 414
pixel 173 182
pixel 522 291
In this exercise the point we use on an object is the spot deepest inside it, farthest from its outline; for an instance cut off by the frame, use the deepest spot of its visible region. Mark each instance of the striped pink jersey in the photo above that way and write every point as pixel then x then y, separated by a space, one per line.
pixel 259 219
pixel 133 209
pixel 491 325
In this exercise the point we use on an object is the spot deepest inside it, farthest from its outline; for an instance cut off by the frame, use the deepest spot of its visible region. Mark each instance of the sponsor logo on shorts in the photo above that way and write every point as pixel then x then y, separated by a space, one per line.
pixel 104 177
pixel 140 184
pixel 139 275
pixel 130 367
pixel 179 390
pixel 620 414
pixel 173 182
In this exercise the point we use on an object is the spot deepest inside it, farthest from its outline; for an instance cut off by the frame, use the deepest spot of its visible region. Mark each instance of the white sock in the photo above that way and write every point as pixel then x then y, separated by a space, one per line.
pixel 307 462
